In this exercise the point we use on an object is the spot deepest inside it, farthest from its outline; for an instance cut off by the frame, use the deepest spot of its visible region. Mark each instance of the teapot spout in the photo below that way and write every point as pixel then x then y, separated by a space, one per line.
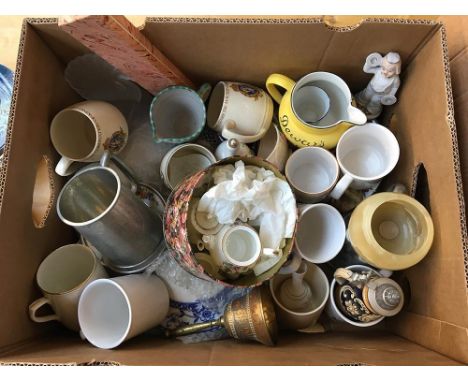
pixel 356 116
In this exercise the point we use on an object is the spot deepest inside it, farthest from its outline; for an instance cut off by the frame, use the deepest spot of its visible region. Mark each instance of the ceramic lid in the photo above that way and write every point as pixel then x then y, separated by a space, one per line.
pixel 384 296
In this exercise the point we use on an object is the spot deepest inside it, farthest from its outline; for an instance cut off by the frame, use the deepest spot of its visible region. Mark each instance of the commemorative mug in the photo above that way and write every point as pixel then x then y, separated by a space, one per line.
pixel 62 277
pixel 240 111
pixel 309 117
pixel 111 217
pixel 312 173
pixel 84 131
pixel 178 113
pixel 365 154
pixel 321 232
pixel 111 311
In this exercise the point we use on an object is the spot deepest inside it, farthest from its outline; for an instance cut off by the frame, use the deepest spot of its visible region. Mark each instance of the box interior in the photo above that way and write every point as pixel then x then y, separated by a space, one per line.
pixel 431 330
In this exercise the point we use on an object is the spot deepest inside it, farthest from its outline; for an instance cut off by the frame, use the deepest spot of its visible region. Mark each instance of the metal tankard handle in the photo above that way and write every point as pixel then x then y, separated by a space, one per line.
pixel 104 162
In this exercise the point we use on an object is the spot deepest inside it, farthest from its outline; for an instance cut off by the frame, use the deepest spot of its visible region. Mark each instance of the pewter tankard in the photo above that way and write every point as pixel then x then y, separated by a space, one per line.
pixel 126 232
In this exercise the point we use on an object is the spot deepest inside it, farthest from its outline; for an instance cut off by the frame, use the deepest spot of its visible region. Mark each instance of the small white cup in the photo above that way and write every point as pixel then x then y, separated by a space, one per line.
pixel 273 147
pixel 365 154
pixel 182 161
pixel 82 132
pixel 240 111
pixel 311 103
pixel 320 289
pixel 62 277
pixel 321 232
pixel 312 173
pixel 112 311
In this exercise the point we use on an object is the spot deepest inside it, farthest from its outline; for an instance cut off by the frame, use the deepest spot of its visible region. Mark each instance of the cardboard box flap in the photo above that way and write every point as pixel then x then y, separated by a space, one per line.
pixel 292 349
pixel 211 49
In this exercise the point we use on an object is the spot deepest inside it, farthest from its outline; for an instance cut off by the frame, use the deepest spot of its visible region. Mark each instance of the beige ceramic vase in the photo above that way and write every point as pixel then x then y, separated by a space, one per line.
pixel 391 231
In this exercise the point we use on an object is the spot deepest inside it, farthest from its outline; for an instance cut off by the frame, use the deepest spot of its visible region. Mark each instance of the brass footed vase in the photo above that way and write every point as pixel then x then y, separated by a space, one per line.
pixel 251 317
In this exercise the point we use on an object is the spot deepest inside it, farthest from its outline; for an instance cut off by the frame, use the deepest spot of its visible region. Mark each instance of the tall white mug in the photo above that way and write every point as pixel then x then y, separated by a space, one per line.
pixel 112 311
pixel 365 154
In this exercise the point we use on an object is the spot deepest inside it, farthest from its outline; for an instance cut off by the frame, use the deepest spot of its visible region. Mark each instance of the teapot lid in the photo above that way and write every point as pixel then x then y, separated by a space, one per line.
pixel 383 296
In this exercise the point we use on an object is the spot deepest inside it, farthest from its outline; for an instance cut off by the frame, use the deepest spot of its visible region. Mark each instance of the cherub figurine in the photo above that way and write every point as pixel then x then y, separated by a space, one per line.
pixel 382 88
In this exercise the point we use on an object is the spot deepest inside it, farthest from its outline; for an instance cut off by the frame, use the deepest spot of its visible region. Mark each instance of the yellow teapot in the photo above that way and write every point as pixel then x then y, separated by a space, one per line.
pixel 316 110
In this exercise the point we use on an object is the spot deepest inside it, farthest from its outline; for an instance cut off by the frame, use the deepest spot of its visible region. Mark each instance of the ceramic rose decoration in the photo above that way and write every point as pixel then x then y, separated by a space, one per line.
pixel 382 88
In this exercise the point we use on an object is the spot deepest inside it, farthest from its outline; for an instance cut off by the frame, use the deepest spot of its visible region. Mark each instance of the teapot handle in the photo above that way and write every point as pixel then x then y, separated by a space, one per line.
pixel 275 80
pixel 122 167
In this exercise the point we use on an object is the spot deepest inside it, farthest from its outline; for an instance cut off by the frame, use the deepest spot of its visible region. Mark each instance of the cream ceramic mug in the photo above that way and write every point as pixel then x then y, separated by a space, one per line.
pixel 240 111
pixel 112 311
pixel 273 147
pixel 312 173
pixel 62 277
pixel 82 132
pixel 320 291
pixel 365 154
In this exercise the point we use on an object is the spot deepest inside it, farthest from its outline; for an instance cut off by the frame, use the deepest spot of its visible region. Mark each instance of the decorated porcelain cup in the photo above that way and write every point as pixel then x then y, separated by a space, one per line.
pixel 301 107
pixel 365 154
pixel 62 277
pixel 178 114
pixel 240 111
pixel 84 131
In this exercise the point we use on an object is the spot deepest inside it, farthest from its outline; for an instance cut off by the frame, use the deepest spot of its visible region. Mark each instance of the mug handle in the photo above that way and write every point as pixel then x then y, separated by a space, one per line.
pixel 66 166
pixel 35 306
pixel 204 91
pixel 227 132
pixel 341 186
pixel 275 80
pixel 104 162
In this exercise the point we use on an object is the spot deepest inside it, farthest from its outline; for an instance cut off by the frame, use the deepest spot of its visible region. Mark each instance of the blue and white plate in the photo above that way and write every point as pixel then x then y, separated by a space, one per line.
pixel 6 90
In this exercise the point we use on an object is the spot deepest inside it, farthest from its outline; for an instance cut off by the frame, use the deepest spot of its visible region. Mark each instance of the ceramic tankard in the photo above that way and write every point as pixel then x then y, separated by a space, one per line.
pixel 306 118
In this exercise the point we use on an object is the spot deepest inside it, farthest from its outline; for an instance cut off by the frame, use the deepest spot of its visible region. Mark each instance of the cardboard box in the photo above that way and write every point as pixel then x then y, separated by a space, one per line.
pixel 433 328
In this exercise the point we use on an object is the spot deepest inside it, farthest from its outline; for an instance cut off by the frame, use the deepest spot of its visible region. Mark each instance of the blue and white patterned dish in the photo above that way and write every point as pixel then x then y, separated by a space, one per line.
pixel 6 90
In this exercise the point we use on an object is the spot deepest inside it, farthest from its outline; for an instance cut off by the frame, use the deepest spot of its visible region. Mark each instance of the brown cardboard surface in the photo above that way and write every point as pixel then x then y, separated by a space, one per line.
pixel 225 49
pixel 438 282
pixel 293 349
pixel 206 49
pixel 40 93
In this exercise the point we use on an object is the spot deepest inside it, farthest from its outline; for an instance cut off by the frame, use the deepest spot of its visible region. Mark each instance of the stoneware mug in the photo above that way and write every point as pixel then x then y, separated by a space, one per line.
pixel 365 154
pixel 62 277
pixel 183 161
pixel 178 113
pixel 312 172
pixel 273 147
pixel 82 132
pixel 240 111
pixel 319 289
pixel 321 232
pixel 111 311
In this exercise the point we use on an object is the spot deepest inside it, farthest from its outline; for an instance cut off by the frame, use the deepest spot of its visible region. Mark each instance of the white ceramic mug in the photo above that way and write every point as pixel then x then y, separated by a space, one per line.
pixel 312 173
pixel 320 291
pixel 82 132
pixel 321 232
pixel 240 111
pixel 273 147
pixel 62 277
pixel 112 311
pixel 334 312
pixel 365 154
pixel 184 160
pixel 234 249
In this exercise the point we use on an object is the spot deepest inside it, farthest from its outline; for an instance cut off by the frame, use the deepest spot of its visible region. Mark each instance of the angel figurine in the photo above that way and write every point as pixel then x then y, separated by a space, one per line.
pixel 382 88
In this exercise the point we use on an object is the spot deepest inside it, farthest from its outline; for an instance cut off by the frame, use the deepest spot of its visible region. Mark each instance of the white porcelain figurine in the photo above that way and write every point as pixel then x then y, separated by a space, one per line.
pixel 382 88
